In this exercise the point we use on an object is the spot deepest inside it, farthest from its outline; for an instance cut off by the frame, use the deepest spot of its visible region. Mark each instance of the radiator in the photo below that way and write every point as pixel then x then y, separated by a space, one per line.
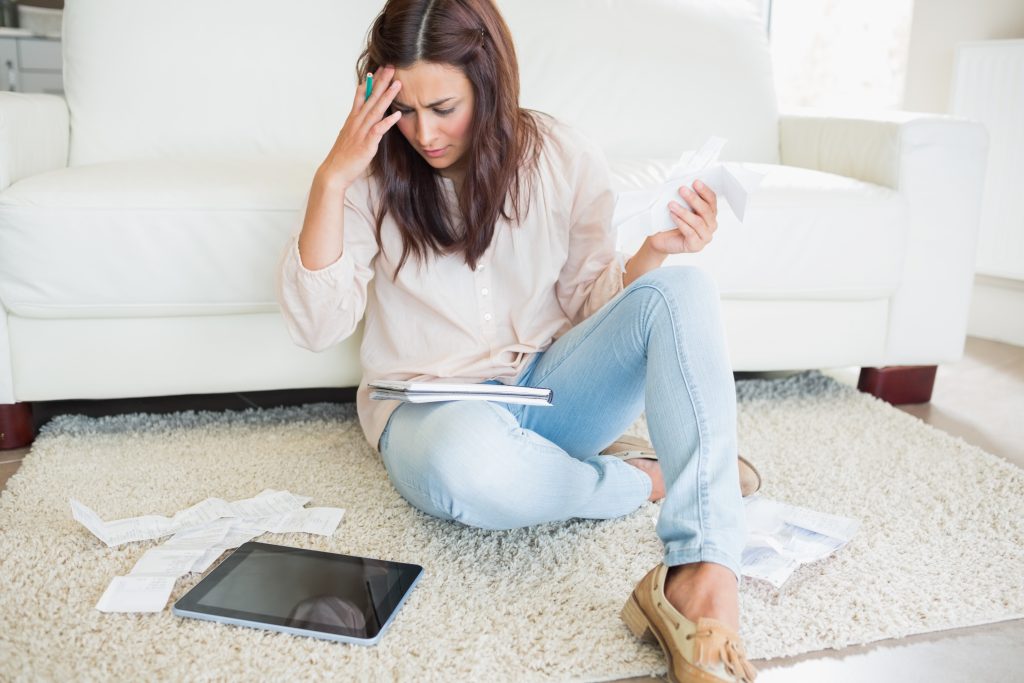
pixel 988 86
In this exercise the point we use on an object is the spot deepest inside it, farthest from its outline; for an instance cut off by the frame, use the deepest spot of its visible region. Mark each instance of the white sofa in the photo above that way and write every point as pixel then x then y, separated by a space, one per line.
pixel 142 215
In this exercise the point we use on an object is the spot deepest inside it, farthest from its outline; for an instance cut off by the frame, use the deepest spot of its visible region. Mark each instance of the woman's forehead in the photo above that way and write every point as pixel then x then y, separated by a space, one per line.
pixel 427 83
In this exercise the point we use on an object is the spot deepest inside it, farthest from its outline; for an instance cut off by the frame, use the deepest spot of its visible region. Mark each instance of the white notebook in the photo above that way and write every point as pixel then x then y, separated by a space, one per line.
pixel 426 392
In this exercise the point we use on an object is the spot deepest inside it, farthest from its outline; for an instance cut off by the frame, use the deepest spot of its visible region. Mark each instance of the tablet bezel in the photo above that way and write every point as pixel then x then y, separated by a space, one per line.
pixel 188 604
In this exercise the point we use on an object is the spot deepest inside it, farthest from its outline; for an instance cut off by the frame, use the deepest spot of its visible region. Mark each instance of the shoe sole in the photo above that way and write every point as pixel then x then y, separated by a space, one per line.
pixel 640 626
pixel 637 622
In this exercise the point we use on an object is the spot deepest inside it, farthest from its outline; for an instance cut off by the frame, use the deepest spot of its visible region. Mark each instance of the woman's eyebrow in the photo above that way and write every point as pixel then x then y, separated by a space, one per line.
pixel 432 104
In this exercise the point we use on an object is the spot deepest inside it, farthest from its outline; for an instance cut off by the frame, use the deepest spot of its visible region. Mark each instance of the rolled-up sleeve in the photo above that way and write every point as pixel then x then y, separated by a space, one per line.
pixel 592 274
pixel 323 307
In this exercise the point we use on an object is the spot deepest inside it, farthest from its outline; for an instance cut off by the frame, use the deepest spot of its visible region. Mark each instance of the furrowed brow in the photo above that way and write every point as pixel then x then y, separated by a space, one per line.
pixel 432 104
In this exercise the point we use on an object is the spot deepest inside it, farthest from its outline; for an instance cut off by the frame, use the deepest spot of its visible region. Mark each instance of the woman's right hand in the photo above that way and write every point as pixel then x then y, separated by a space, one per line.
pixel 359 137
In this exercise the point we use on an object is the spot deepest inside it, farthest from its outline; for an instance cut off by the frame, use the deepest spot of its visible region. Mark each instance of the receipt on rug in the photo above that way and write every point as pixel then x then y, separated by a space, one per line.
pixel 122 530
pixel 136 594
pixel 319 521
pixel 166 561
pixel 201 534
pixel 267 503
pixel 781 537
pixel 208 510
pixel 645 212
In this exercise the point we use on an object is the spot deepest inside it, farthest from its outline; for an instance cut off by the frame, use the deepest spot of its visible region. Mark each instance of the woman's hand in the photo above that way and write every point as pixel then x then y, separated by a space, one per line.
pixel 357 142
pixel 694 229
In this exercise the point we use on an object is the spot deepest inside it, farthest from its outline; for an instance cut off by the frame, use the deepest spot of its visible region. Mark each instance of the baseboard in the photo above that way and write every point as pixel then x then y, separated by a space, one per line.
pixel 997 310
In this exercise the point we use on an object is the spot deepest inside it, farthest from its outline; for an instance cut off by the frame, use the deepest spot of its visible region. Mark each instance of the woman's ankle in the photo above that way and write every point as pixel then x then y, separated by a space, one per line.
pixel 652 468
pixel 704 589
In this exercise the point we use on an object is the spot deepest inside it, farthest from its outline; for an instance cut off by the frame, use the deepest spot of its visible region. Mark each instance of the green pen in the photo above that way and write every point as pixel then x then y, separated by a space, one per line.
pixel 369 85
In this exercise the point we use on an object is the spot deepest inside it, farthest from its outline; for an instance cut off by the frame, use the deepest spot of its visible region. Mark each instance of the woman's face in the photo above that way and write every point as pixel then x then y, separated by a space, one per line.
pixel 436 101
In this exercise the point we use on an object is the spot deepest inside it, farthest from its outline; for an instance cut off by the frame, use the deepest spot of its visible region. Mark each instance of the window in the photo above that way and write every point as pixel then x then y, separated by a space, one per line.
pixel 839 54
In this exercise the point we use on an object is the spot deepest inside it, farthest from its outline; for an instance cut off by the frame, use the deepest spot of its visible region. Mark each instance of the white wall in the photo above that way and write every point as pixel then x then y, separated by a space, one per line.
pixel 936 27
pixel 997 304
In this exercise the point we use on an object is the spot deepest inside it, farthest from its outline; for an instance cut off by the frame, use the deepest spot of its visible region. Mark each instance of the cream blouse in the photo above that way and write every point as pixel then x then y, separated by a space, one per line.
pixel 443 320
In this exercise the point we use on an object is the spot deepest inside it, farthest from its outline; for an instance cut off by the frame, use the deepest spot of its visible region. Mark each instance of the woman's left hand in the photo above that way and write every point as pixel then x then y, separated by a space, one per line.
pixel 694 229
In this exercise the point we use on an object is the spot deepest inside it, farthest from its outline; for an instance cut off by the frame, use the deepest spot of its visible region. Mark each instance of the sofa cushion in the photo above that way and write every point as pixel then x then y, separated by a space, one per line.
pixel 249 79
pixel 149 238
pixel 806 235
pixel 164 238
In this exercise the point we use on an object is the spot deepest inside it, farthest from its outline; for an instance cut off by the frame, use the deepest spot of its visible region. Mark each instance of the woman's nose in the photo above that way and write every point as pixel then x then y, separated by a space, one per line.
pixel 424 135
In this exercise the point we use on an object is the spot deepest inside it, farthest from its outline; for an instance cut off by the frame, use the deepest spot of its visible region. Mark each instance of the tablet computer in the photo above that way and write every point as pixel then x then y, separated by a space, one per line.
pixel 304 592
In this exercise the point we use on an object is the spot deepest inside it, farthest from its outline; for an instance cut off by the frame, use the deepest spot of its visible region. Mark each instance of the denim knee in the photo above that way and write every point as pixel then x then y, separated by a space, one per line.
pixel 687 281
pixel 689 291
pixel 461 478
pixel 475 492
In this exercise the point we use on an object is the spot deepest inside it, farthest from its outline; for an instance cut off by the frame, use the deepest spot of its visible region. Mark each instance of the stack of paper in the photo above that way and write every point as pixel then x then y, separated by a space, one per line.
pixel 426 392
pixel 639 213
pixel 201 534
pixel 781 537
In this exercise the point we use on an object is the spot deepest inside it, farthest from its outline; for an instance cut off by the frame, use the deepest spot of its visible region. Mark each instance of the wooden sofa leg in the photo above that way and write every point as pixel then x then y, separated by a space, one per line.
pixel 899 384
pixel 16 427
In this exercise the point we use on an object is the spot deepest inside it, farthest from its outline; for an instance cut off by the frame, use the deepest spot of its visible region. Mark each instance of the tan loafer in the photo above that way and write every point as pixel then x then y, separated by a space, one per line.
pixel 750 478
pixel 628 447
pixel 705 652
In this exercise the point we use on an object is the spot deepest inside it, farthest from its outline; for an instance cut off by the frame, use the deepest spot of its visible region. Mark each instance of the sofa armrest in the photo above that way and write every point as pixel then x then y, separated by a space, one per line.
pixel 34 135
pixel 937 163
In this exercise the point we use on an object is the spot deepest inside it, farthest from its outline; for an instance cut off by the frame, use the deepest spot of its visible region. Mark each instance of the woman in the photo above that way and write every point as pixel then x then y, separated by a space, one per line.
pixel 477 242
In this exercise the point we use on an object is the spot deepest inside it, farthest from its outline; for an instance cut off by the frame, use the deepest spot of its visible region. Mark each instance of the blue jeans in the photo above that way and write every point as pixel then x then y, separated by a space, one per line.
pixel 658 344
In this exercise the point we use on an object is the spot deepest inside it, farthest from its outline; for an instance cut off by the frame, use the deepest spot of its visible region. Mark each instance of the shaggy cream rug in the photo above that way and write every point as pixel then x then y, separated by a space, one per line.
pixel 940 546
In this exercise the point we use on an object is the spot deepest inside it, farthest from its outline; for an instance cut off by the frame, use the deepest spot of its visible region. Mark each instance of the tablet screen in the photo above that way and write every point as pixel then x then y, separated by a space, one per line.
pixel 303 589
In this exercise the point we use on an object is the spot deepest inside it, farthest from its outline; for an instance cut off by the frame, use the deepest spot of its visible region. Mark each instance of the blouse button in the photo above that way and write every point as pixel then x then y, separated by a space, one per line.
pixel 481 266
pixel 484 291
pixel 487 316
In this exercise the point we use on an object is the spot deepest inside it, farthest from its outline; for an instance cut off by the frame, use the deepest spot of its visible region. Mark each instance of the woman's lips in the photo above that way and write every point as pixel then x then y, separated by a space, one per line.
pixel 435 153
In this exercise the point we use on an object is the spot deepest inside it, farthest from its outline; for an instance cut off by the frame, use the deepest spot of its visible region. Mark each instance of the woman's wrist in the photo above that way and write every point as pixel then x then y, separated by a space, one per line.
pixel 652 254
pixel 646 259
pixel 326 181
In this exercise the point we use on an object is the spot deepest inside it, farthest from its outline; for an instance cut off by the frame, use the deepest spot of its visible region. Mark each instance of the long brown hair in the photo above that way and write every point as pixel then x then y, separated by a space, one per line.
pixel 472 36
